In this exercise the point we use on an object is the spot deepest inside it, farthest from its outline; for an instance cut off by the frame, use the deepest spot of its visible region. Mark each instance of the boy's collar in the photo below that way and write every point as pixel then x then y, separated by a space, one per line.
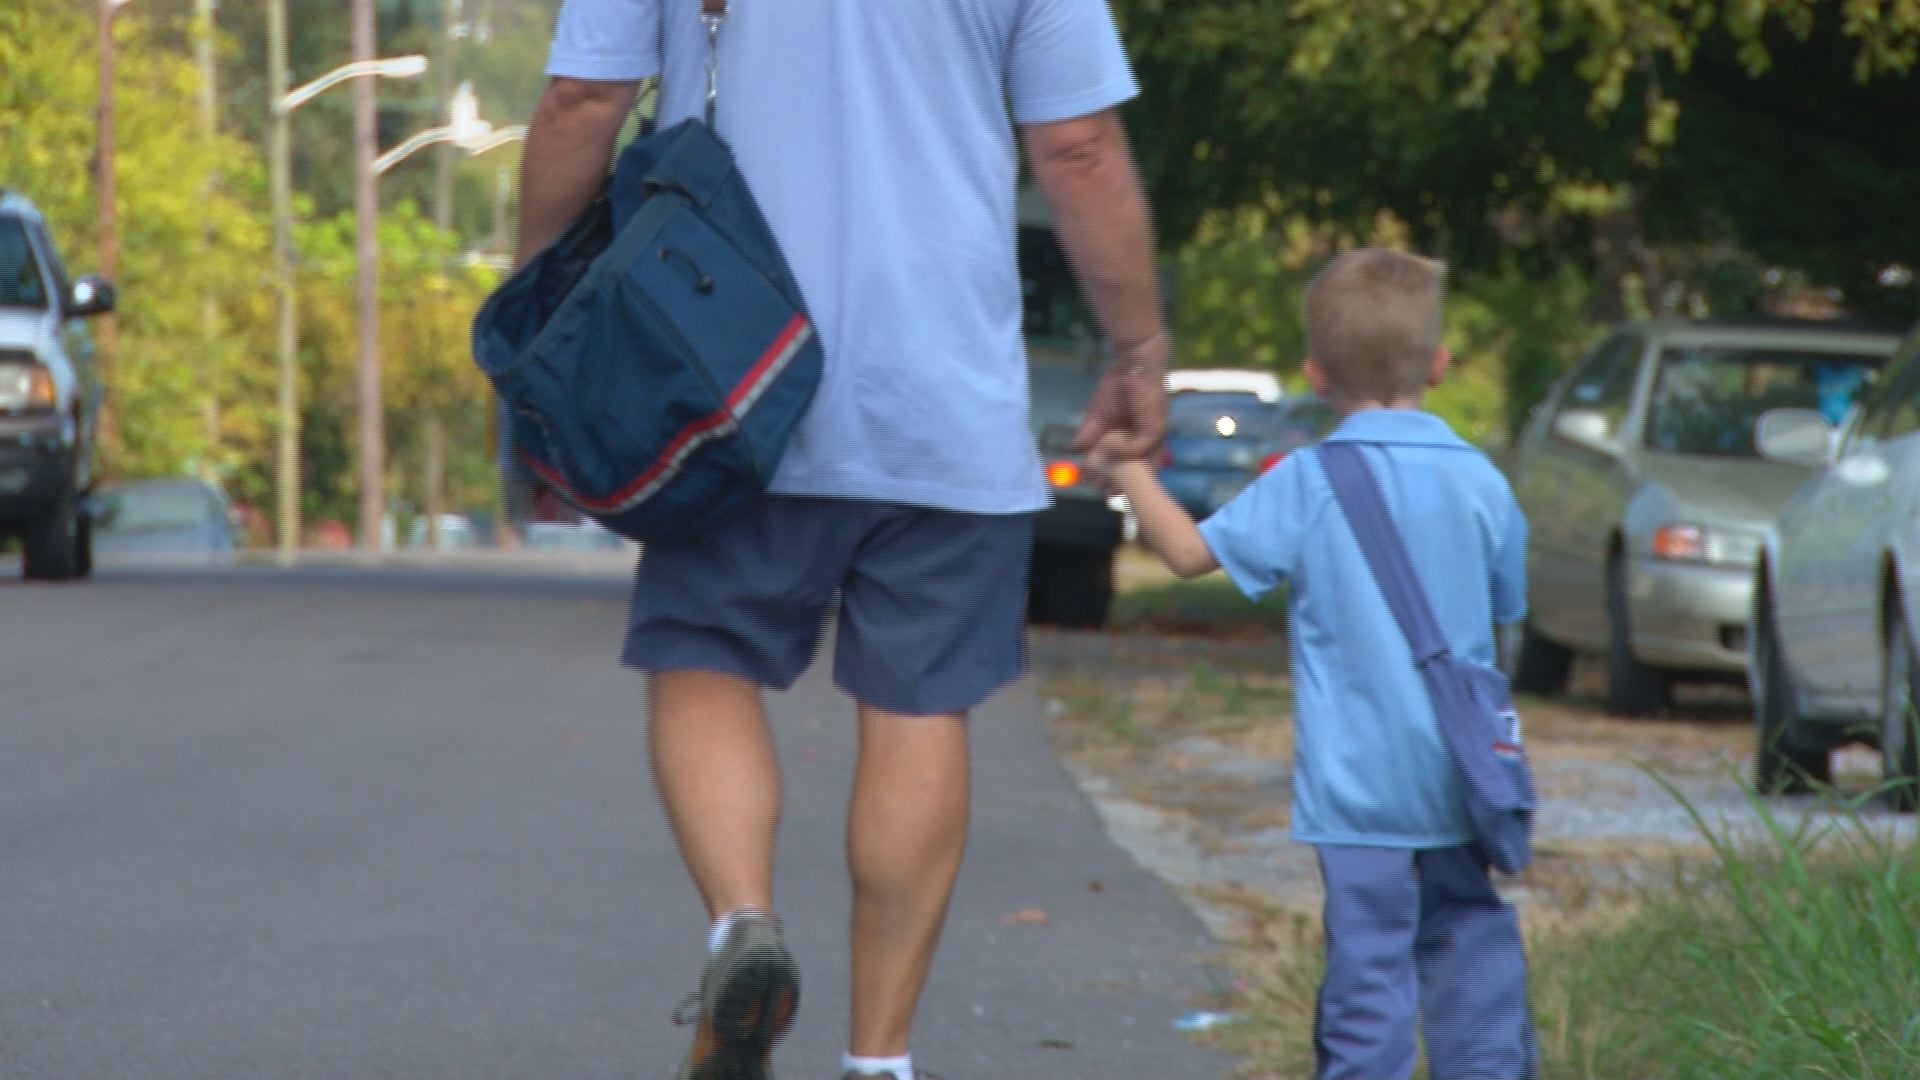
pixel 1414 427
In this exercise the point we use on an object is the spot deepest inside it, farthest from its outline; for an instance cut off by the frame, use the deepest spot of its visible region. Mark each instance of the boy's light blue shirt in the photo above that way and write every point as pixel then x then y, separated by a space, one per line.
pixel 1369 764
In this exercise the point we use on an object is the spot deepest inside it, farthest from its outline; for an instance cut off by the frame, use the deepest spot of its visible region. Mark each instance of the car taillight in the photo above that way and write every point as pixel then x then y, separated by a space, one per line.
pixel 1272 460
pixel 1063 474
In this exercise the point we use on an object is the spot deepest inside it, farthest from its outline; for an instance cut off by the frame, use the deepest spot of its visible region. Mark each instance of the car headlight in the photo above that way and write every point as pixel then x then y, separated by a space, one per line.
pixel 1714 545
pixel 26 387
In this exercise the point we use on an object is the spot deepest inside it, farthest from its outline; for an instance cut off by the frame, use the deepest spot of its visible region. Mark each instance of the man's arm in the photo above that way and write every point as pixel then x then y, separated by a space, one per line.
pixel 568 152
pixel 1165 527
pixel 1100 214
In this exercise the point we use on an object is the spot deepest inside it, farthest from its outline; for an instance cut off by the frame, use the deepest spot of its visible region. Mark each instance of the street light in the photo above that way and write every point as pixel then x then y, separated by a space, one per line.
pixel 399 67
pixel 280 153
pixel 463 128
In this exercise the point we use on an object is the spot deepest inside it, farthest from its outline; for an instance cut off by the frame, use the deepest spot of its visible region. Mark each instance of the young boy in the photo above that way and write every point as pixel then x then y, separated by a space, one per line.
pixel 1413 925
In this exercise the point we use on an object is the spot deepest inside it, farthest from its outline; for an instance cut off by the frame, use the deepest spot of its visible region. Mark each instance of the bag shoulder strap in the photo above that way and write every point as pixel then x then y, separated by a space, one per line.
pixel 1385 549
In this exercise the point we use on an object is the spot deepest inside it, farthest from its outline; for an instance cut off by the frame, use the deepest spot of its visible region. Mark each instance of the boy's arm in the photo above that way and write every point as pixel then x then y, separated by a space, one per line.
pixel 1164 526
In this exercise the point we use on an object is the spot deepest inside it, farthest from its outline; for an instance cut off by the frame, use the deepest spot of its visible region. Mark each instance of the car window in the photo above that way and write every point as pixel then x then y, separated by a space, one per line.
pixel 1708 399
pixel 62 285
pixel 158 508
pixel 1604 384
pixel 1888 411
pixel 1223 415
pixel 1054 312
pixel 21 283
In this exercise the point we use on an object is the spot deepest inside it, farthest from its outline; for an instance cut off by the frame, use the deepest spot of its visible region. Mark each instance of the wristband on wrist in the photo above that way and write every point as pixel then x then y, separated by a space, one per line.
pixel 1126 359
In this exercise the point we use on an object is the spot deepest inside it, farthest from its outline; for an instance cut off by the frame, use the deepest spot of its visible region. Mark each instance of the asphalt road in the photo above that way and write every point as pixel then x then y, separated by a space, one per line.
pixel 351 825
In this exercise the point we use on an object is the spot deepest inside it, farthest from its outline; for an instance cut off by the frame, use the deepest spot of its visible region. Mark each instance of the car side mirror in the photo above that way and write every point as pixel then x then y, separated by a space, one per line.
pixel 1588 429
pixel 1795 437
pixel 91 295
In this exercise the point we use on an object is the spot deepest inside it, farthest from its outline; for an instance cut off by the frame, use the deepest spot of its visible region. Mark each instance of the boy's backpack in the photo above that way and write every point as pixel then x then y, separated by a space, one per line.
pixel 656 358
pixel 1472 701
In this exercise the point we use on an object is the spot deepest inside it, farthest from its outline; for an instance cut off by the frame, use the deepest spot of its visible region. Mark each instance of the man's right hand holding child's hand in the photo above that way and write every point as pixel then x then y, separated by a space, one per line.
pixel 1164 526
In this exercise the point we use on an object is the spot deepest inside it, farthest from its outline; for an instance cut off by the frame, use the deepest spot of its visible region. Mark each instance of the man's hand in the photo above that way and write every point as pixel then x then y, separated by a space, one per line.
pixel 1127 417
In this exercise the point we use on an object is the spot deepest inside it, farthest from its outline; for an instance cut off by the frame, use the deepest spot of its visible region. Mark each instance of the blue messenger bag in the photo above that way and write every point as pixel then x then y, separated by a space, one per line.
pixel 656 358
pixel 1472 701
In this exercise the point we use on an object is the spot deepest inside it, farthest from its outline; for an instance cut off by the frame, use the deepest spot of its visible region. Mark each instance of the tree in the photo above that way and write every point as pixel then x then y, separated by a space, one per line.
pixel 183 400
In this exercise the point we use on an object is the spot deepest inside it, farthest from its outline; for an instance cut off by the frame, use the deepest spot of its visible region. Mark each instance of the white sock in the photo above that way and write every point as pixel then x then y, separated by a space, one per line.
pixel 718 935
pixel 900 1068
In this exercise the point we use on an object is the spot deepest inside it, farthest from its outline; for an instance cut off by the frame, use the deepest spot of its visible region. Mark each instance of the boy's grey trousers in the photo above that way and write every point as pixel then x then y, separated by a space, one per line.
pixel 1420 935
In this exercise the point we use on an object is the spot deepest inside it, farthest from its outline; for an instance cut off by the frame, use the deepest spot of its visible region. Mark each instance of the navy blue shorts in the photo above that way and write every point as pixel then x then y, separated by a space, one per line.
pixel 929 605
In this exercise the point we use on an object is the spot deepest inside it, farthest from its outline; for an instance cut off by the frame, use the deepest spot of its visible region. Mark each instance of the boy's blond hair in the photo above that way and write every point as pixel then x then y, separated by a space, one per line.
pixel 1373 323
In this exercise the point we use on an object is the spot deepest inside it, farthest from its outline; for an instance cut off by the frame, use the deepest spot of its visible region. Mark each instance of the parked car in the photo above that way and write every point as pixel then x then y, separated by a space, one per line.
pixel 1836 617
pixel 49 398
pixel 1217 443
pixel 183 517
pixel 1074 539
pixel 587 535
pixel 1649 501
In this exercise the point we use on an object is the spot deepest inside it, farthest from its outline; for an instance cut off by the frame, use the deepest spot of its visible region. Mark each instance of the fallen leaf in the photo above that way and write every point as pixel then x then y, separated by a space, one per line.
pixel 1056 1044
pixel 1032 916
pixel 1096 886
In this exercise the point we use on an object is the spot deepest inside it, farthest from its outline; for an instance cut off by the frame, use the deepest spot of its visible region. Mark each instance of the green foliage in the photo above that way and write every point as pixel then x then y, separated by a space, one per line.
pixel 190 232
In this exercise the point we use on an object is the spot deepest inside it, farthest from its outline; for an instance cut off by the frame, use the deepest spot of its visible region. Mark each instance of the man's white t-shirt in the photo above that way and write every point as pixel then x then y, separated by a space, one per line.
pixel 878 138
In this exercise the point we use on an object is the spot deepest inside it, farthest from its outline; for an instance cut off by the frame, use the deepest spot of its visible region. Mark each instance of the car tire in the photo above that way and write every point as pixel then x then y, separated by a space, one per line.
pixel 1071 588
pixel 83 547
pixel 1783 763
pixel 1899 705
pixel 51 545
pixel 1543 667
pixel 1633 688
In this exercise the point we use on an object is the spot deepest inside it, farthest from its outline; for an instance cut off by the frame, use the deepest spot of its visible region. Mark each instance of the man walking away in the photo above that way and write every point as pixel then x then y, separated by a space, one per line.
pixel 880 140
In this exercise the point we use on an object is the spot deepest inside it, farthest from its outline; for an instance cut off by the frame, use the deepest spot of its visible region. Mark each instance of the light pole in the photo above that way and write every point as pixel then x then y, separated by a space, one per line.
pixel 366 215
pixel 466 131
pixel 107 192
pixel 280 163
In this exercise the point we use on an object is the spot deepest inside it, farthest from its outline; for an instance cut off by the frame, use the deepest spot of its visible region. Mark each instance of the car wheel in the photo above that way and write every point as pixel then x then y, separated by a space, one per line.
pixel 1543 667
pixel 51 546
pixel 1899 696
pixel 1783 764
pixel 1071 588
pixel 83 546
pixel 1633 688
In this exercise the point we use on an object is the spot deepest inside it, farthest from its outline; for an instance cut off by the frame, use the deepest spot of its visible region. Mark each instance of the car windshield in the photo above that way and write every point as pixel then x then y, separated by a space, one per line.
pixel 1054 311
pixel 157 508
pixel 1708 398
pixel 1228 416
pixel 21 283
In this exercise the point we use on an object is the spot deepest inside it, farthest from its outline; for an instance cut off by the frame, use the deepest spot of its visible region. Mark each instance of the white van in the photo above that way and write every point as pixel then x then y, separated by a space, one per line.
pixel 1264 385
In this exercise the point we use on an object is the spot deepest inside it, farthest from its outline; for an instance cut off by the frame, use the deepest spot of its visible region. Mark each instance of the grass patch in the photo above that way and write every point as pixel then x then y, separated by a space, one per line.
pixel 1210 606
pixel 1793 956
pixel 1796 956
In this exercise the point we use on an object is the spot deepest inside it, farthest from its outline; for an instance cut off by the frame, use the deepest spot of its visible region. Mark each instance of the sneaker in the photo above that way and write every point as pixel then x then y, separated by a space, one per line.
pixel 746 1002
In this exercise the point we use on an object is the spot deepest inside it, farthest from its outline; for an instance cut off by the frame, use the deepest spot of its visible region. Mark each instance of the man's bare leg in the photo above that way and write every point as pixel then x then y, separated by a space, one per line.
pixel 719 780
pixel 906 832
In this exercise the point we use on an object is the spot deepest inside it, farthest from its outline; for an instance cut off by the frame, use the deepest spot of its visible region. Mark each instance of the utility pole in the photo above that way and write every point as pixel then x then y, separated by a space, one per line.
pixel 280 165
pixel 203 13
pixel 366 208
pixel 106 191
pixel 448 153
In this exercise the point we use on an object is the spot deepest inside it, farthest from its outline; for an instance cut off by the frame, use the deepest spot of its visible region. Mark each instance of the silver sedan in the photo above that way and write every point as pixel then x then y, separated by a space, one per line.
pixel 1836 625
pixel 1649 502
